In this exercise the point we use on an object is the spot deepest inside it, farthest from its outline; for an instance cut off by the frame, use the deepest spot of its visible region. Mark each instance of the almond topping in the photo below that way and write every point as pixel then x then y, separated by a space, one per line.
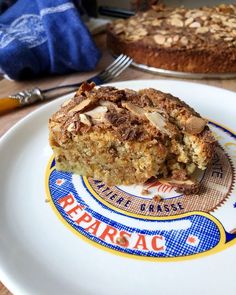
pixel 195 125
pixel 81 106
pixel 159 122
pixel 188 21
pixel 176 22
pixel 71 127
pixel 159 39
pixel 176 38
pixel 195 25
pixel 184 40
pixel 65 103
pixel 156 22
pixel 97 114
pixel 55 127
pixel 202 30
pixel 84 119
pixel 134 109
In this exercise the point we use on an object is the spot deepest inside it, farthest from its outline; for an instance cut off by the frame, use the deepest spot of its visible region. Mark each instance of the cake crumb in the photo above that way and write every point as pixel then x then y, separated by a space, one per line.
pixel 122 241
pixel 145 192
pixel 157 198
pixel 47 200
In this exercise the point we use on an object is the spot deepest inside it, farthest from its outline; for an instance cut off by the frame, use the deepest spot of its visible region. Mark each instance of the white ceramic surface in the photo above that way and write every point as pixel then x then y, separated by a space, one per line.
pixel 39 255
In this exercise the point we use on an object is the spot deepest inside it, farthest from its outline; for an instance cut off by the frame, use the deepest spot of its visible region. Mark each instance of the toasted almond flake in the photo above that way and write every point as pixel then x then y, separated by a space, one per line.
pixel 159 39
pixel 195 125
pixel 229 39
pixel 195 25
pixel 159 122
pixel 97 114
pixel 176 22
pixel 133 22
pixel 202 30
pixel 134 109
pixel 230 24
pixel 141 32
pixel 156 22
pixel 108 104
pixel 71 127
pixel 184 40
pixel 176 38
pixel 84 119
pixel 59 115
pixel 188 21
pixel 81 106
pixel 65 103
pixel 55 127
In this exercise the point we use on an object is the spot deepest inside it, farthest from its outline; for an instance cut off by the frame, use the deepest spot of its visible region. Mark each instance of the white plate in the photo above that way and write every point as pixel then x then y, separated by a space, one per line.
pixel 40 255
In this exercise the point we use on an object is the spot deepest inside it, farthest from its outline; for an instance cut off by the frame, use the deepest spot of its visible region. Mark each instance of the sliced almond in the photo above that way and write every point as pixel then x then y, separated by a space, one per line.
pixel 195 125
pixel 230 24
pixel 108 104
pixel 176 22
pixel 202 30
pixel 84 119
pixel 184 40
pixel 169 40
pixel 55 127
pixel 176 38
pixel 159 39
pixel 65 103
pixel 137 111
pixel 158 121
pixel 188 21
pixel 58 115
pixel 97 114
pixel 229 39
pixel 195 25
pixel 156 22
pixel 81 106
pixel 71 127
pixel 133 22
pixel 141 32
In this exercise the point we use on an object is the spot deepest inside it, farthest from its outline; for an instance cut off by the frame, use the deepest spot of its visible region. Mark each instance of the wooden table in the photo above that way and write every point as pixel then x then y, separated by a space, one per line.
pixel 9 87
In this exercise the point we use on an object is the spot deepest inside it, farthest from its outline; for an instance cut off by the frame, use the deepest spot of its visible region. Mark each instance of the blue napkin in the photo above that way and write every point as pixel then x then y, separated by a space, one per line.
pixel 44 36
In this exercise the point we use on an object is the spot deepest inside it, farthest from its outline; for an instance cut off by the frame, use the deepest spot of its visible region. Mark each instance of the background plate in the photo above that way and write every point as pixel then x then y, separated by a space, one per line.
pixel 183 75
pixel 39 255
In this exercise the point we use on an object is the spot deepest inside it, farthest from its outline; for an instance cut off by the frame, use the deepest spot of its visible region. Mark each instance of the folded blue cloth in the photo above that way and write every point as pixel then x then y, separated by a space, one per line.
pixel 44 36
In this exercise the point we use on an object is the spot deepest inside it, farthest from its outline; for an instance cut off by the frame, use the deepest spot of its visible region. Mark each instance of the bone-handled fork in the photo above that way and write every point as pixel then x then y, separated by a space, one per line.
pixel 30 96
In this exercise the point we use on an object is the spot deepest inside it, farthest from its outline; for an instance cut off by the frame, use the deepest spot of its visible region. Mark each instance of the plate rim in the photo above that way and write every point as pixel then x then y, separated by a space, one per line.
pixel 10 283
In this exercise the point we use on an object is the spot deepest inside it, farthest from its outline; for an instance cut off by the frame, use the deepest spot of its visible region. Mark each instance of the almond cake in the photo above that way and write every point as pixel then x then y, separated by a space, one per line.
pixel 199 40
pixel 122 136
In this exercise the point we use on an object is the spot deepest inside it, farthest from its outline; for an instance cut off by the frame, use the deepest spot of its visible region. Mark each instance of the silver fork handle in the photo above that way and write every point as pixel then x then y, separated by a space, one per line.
pixel 28 96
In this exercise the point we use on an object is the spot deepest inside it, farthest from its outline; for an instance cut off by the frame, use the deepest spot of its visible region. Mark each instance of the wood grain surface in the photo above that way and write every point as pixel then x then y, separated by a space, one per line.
pixel 8 87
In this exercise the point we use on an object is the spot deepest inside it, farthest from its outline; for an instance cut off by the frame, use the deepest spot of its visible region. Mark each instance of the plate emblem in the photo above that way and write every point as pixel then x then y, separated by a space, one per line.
pixel 176 226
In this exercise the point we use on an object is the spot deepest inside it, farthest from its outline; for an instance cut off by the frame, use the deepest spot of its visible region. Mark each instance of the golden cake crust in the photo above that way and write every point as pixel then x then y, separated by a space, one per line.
pixel 179 39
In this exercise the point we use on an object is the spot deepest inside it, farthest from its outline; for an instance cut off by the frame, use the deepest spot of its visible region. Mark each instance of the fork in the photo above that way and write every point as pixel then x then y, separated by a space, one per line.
pixel 30 96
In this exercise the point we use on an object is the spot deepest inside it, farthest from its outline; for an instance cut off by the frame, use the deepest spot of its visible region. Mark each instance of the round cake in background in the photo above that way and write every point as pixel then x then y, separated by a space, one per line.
pixel 199 40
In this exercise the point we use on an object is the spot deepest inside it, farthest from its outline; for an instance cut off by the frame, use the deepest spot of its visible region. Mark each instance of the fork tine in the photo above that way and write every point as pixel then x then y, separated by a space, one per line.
pixel 117 60
pixel 114 65
pixel 115 68
pixel 117 71
pixel 119 68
